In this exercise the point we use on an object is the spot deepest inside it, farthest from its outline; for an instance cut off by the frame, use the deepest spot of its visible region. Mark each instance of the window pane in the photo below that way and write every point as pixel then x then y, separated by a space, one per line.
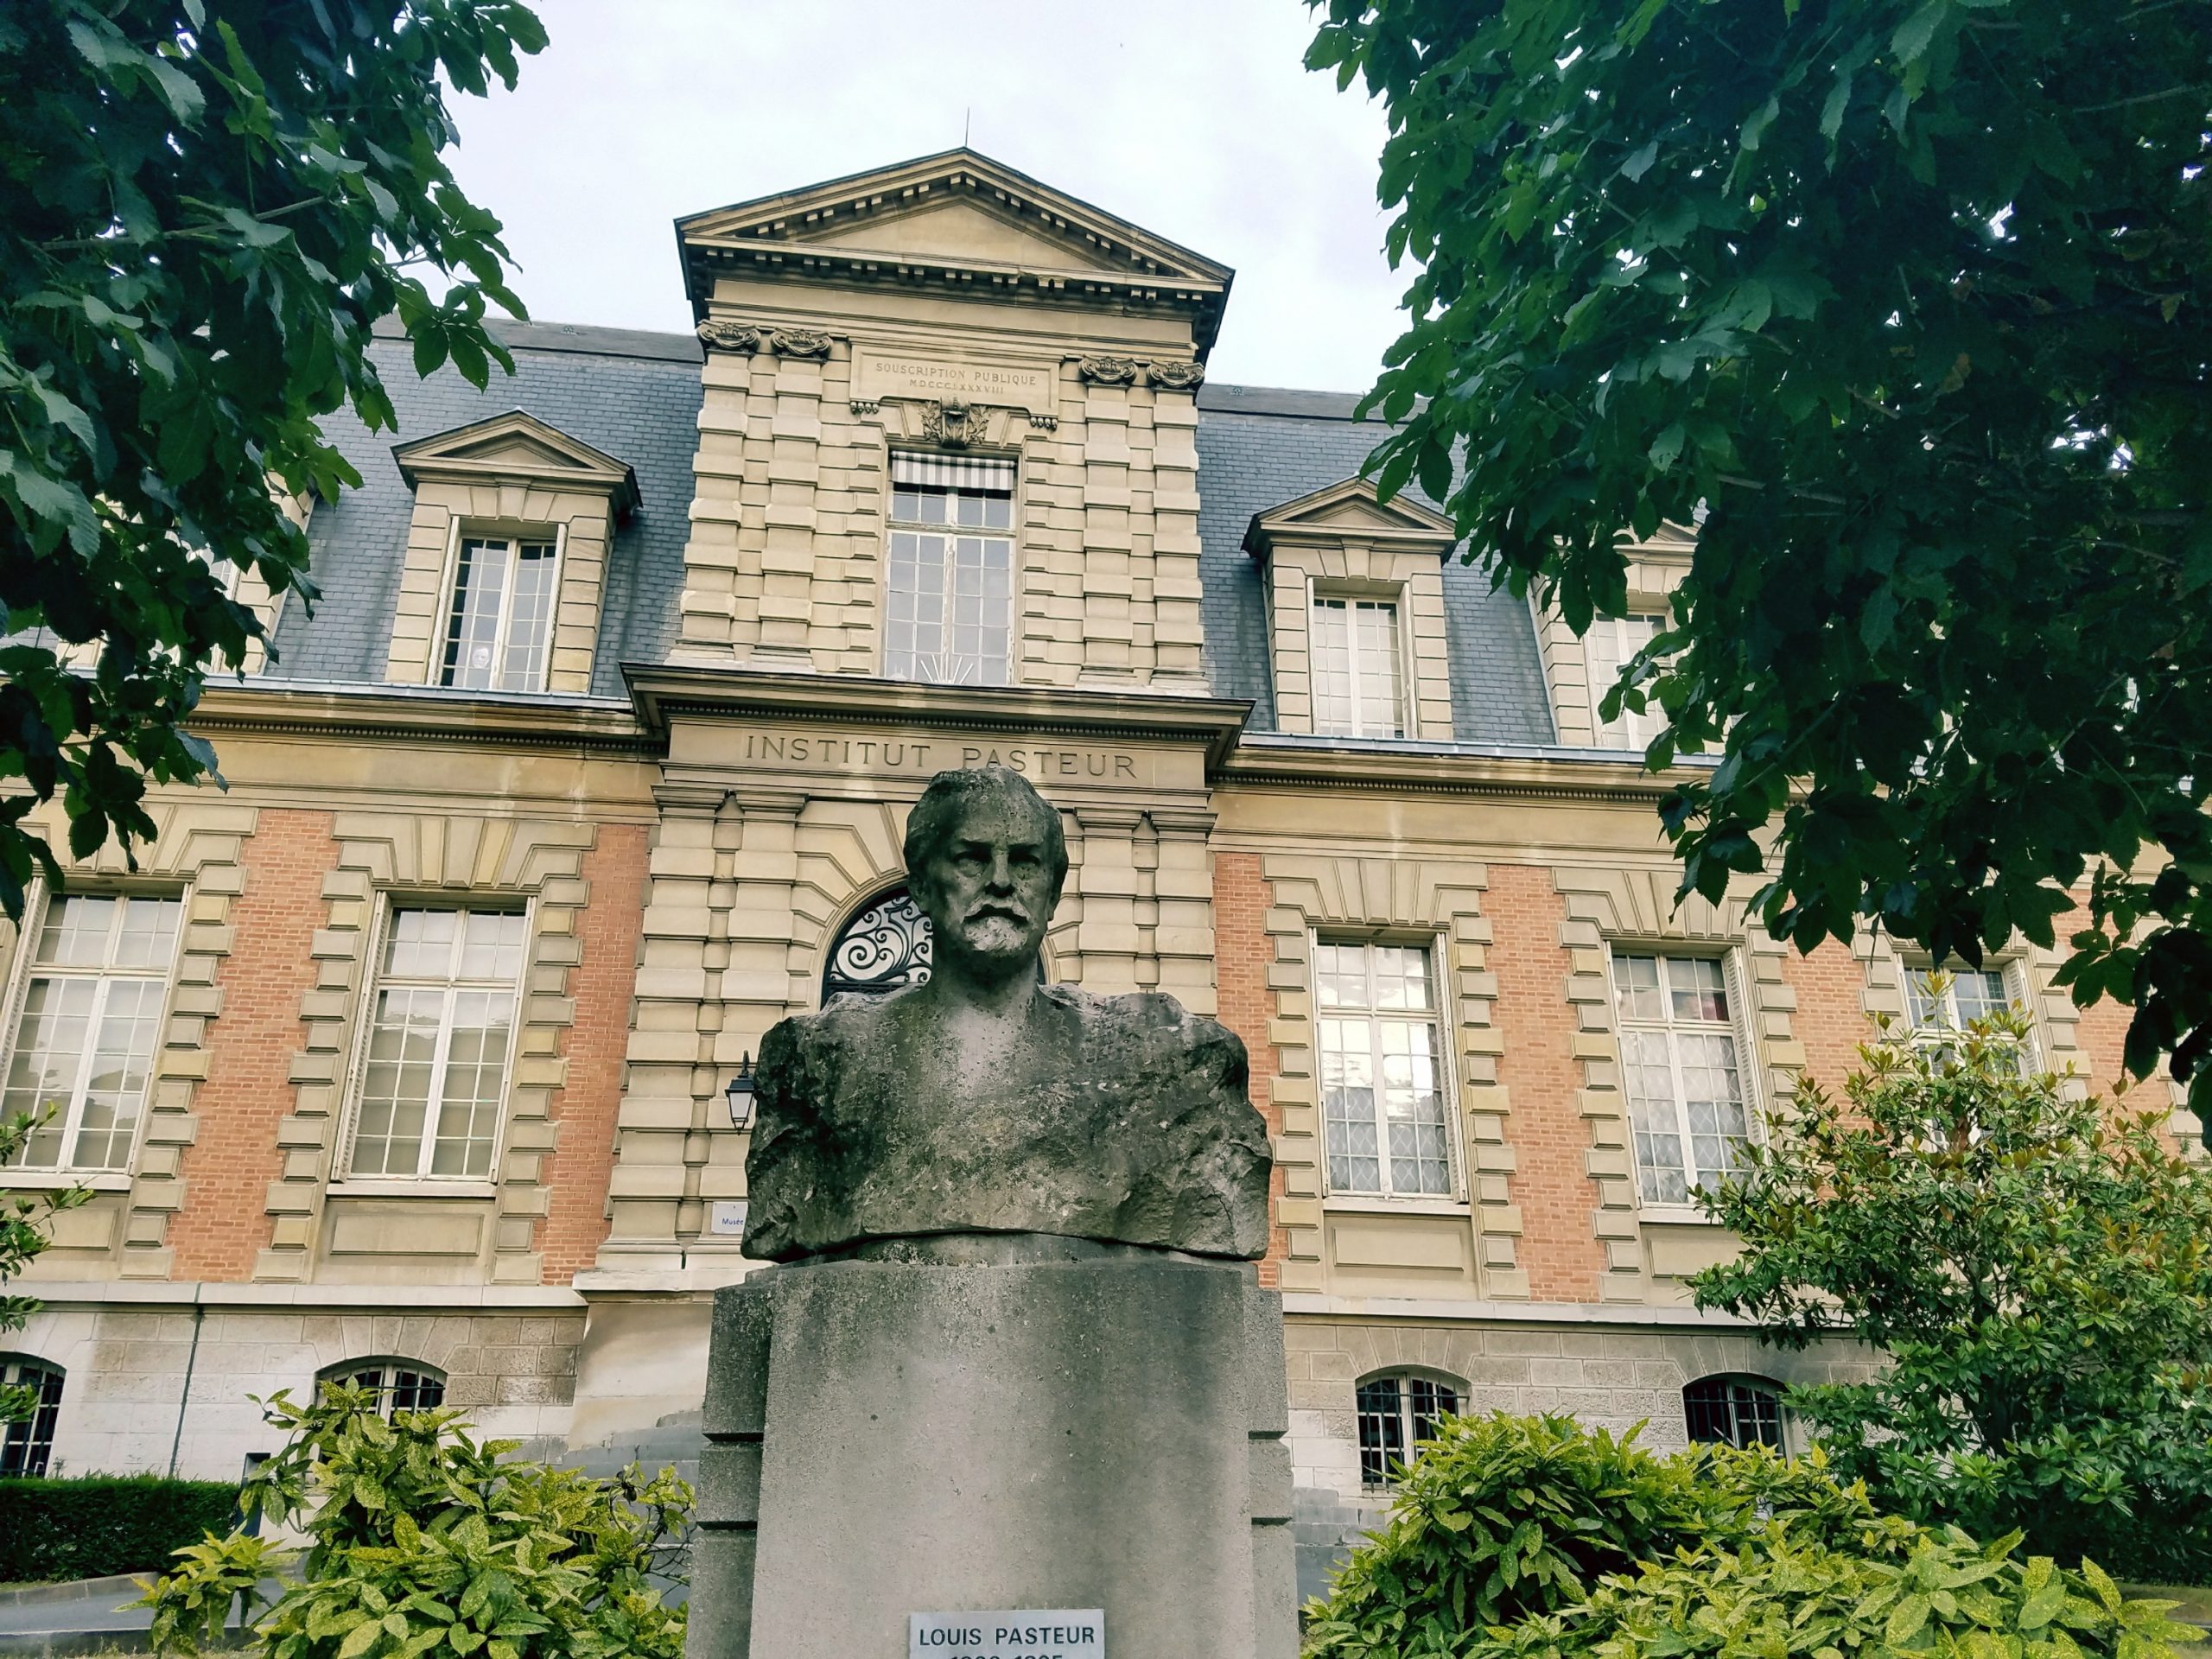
pixel 49 1052
pixel 480 586
pixel 1381 1429
pixel 1375 662
pixel 396 1082
pixel 1635 981
pixel 115 1086
pixel 1428 1403
pixel 530 623
pixel 1329 665
pixel 1652 1117
pixel 1978 994
pixel 1348 1106
pixel 1697 989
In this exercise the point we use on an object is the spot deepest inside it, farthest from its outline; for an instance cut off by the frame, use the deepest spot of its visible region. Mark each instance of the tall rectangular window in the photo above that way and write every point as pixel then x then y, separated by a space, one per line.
pixel 1938 1007
pixel 1608 647
pixel 1381 1071
pixel 1685 1088
pixel 92 1016
pixel 438 1044
pixel 949 597
pixel 499 628
pixel 1359 679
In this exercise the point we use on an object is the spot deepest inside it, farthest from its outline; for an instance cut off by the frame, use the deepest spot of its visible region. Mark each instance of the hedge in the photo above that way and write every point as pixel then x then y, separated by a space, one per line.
pixel 95 1526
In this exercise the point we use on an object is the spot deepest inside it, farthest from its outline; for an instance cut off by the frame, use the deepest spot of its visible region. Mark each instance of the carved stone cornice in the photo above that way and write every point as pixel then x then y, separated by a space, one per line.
pixel 1174 375
pixel 799 342
pixel 1108 371
pixel 719 334
pixel 724 334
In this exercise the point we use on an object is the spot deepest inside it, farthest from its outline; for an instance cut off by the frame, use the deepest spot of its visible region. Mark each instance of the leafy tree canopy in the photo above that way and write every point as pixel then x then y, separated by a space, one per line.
pixel 1911 301
pixel 205 206
pixel 2038 1270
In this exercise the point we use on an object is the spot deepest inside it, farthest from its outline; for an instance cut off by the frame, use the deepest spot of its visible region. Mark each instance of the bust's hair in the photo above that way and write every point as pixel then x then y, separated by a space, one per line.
pixel 931 821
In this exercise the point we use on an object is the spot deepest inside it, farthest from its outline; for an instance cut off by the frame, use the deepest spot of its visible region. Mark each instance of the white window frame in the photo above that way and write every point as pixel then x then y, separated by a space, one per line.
pixel 946 666
pixel 22 971
pixel 1454 1194
pixel 441 638
pixel 1740 1031
pixel 357 1083
pixel 1632 731
pixel 1319 592
pixel 388 1368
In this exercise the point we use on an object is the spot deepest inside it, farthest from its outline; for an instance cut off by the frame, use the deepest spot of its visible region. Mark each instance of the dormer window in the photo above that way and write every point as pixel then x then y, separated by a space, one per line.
pixel 1356 623
pixel 1359 674
pixel 507 553
pixel 948 609
pixel 500 620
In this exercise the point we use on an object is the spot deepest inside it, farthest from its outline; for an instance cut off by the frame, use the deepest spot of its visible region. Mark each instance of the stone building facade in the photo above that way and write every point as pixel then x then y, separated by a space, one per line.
pixel 406 1056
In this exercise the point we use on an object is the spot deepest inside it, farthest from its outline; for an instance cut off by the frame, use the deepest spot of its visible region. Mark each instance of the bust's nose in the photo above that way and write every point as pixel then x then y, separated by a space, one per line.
pixel 1001 878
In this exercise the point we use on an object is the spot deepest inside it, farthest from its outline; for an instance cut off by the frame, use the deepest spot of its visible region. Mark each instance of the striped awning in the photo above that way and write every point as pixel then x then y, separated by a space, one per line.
pixel 952 472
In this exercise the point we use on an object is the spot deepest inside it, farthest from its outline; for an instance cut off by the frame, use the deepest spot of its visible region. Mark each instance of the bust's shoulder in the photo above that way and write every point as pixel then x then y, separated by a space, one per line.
pixel 1151 1018
pixel 845 1019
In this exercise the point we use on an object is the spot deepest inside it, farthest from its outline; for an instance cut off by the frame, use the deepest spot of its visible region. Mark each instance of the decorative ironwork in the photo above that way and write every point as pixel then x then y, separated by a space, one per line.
pixel 883 947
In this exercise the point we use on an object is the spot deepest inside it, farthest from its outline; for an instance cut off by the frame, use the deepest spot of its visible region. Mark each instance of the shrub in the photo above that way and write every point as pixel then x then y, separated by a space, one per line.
pixel 424 1541
pixel 2035 1270
pixel 1533 1538
pixel 91 1526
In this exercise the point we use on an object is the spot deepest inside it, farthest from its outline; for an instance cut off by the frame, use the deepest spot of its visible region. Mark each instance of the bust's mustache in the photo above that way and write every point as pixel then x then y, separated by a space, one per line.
pixel 996 907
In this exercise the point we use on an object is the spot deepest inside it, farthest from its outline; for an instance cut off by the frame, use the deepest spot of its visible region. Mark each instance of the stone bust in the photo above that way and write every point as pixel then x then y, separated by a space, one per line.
pixel 984 1100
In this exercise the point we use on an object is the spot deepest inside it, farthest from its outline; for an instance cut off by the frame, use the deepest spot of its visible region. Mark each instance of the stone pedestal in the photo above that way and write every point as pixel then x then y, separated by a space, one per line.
pixel 887 1438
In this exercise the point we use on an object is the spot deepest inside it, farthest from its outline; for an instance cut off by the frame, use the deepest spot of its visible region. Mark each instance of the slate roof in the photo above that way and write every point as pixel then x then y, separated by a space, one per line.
pixel 636 395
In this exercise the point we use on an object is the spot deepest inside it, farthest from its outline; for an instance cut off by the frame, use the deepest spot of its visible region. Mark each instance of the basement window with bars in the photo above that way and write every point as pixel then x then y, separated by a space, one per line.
pixel 435 1073
pixel 499 623
pixel 398 1384
pixel 1396 1414
pixel 27 1443
pixel 949 597
pixel 1739 1411
pixel 90 1017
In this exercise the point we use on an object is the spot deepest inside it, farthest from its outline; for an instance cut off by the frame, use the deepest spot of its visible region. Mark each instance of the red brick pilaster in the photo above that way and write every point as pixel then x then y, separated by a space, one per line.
pixel 584 1108
pixel 1542 1075
pixel 240 1107
pixel 1246 1003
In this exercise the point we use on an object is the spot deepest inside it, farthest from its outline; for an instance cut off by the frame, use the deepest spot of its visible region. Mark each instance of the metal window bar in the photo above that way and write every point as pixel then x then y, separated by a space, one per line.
pixel 27 1446
pixel 1395 1415
pixel 1728 1411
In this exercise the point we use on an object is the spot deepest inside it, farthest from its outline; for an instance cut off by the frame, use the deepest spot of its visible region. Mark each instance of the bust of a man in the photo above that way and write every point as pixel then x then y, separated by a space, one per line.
pixel 984 1100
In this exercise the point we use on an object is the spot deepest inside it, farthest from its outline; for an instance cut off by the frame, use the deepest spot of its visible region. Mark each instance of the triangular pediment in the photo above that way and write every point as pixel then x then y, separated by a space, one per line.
pixel 1348 508
pixel 517 446
pixel 958 215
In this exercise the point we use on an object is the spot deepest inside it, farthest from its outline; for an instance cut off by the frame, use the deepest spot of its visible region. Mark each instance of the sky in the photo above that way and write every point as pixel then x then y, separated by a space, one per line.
pixel 1194 118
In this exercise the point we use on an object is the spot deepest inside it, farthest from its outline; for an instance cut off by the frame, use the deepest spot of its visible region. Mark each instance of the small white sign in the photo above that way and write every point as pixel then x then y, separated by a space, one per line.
pixel 1023 1633
pixel 727 1216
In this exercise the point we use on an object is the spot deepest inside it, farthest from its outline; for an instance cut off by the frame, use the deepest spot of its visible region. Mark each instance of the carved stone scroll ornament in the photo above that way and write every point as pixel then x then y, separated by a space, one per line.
pixel 718 333
pixel 1108 371
pixel 1176 377
pixel 799 342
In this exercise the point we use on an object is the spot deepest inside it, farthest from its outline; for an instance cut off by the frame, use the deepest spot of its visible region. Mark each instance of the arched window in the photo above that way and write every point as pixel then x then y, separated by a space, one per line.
pixel 25 1446
pixel 1738 1411
pixel 883 947
pixel 1396 1412
pixel 400 1384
